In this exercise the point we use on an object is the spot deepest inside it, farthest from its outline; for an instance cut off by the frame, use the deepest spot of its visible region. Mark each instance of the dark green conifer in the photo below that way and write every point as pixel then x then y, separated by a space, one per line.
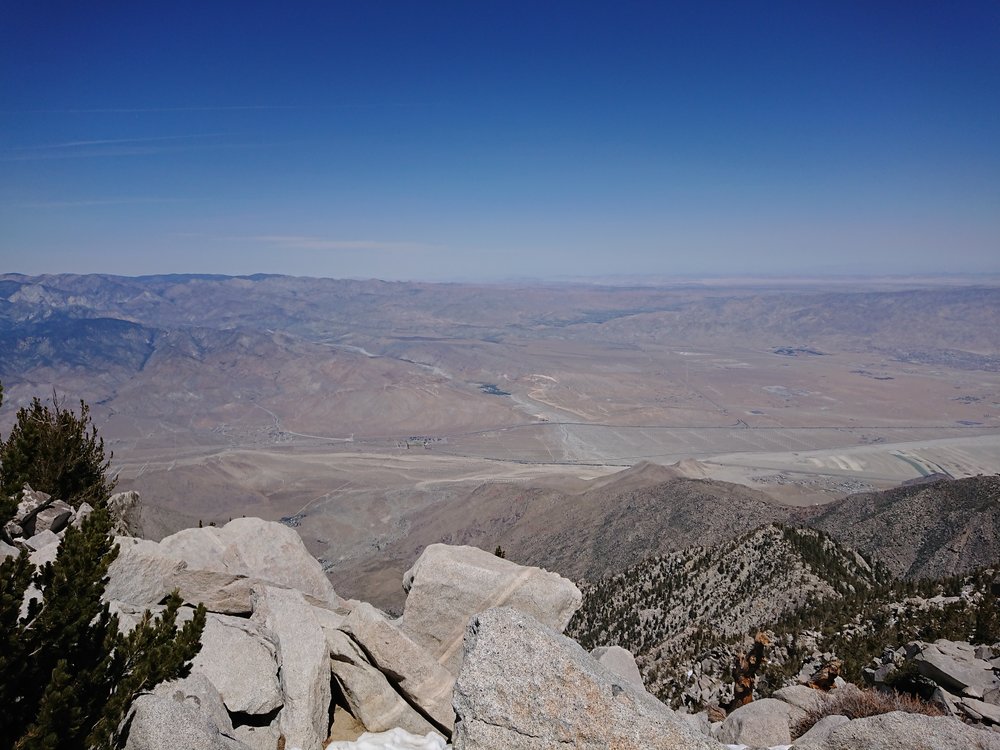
pixel 55 451
pixel 67 675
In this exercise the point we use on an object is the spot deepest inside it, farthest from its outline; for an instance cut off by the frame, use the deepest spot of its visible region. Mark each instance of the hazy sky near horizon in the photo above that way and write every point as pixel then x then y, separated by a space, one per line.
pixel 489 140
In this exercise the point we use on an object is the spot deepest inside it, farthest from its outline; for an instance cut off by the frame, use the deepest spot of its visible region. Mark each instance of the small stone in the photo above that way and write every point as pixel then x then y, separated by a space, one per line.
pixel 54 517
pixel 7 550
pixel 42 539
pixel 819 731
pixel 621 662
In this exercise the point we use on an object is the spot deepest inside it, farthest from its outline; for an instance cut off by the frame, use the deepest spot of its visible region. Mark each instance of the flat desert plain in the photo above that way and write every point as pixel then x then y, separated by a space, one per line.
pixel 803 427
pixel 349 408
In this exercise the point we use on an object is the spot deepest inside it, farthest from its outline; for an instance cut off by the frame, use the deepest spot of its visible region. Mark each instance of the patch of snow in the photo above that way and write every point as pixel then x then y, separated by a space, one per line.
pixel 394 739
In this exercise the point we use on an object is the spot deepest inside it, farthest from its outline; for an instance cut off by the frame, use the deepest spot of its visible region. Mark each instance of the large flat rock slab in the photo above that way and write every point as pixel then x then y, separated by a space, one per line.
pixel 902 731
pixel 524 686
pixel 303 663
pixel 449 584
pixel 953 669
pixel 218 567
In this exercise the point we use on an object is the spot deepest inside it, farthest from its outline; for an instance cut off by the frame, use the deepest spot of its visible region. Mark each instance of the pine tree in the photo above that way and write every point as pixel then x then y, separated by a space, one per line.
pixel 67 675
pixel 55 451
pixel 8 505
pixel 987 629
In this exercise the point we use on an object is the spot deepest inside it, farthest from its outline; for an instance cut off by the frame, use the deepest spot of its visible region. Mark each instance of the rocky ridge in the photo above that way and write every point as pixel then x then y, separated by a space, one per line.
pixel 923 531
pixel 286 662
pixel 668 610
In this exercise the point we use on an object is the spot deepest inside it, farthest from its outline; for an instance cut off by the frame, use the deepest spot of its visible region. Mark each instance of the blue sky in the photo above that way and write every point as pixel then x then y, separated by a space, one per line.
pixel 488 140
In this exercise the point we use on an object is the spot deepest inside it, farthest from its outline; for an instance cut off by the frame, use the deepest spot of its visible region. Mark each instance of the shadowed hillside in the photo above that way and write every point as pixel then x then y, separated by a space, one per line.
pixel 586 533
pixel 930 530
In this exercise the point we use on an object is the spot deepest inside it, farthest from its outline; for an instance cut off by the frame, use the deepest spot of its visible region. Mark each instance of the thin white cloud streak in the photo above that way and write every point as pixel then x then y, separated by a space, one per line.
pixel 222 108
pixel 97 202
pixel 117 141
pixel 139 110
pixel 301 242
pixel 119 150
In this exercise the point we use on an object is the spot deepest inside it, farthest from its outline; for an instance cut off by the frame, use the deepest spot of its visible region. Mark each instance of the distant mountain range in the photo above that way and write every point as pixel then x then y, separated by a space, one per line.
pixel 50 321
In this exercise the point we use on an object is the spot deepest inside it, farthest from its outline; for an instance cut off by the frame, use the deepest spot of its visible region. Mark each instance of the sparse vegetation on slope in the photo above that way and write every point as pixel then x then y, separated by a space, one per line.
pixel 668 609
pixel 861 703
pixel 923 531
pixel 688 616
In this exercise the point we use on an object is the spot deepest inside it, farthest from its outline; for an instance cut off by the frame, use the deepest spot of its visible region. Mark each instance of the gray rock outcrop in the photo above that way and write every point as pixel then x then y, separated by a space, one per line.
pixel 54 517
pixel 125 510
pixel 303 663
pixel 240 660
pixel 263 550
pixel 447 585
pixel 184 713
pixel 45 554
pixel 967 677
pixel 370 697
pixel 524 686
pixel 42 539
pixel 952 668
pixel 801 696
pixel 620 661
pixel 218 567
pixel 414 673
pixel 902 731
pixel 761 723
pixel 815 738
pixel 29 505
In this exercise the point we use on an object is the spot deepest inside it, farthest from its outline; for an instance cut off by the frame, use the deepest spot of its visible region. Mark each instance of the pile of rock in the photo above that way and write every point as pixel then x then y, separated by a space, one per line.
pixel 40 521
pixel 478 658
pixel 283 656
pixel 771 723
pixel 965 679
